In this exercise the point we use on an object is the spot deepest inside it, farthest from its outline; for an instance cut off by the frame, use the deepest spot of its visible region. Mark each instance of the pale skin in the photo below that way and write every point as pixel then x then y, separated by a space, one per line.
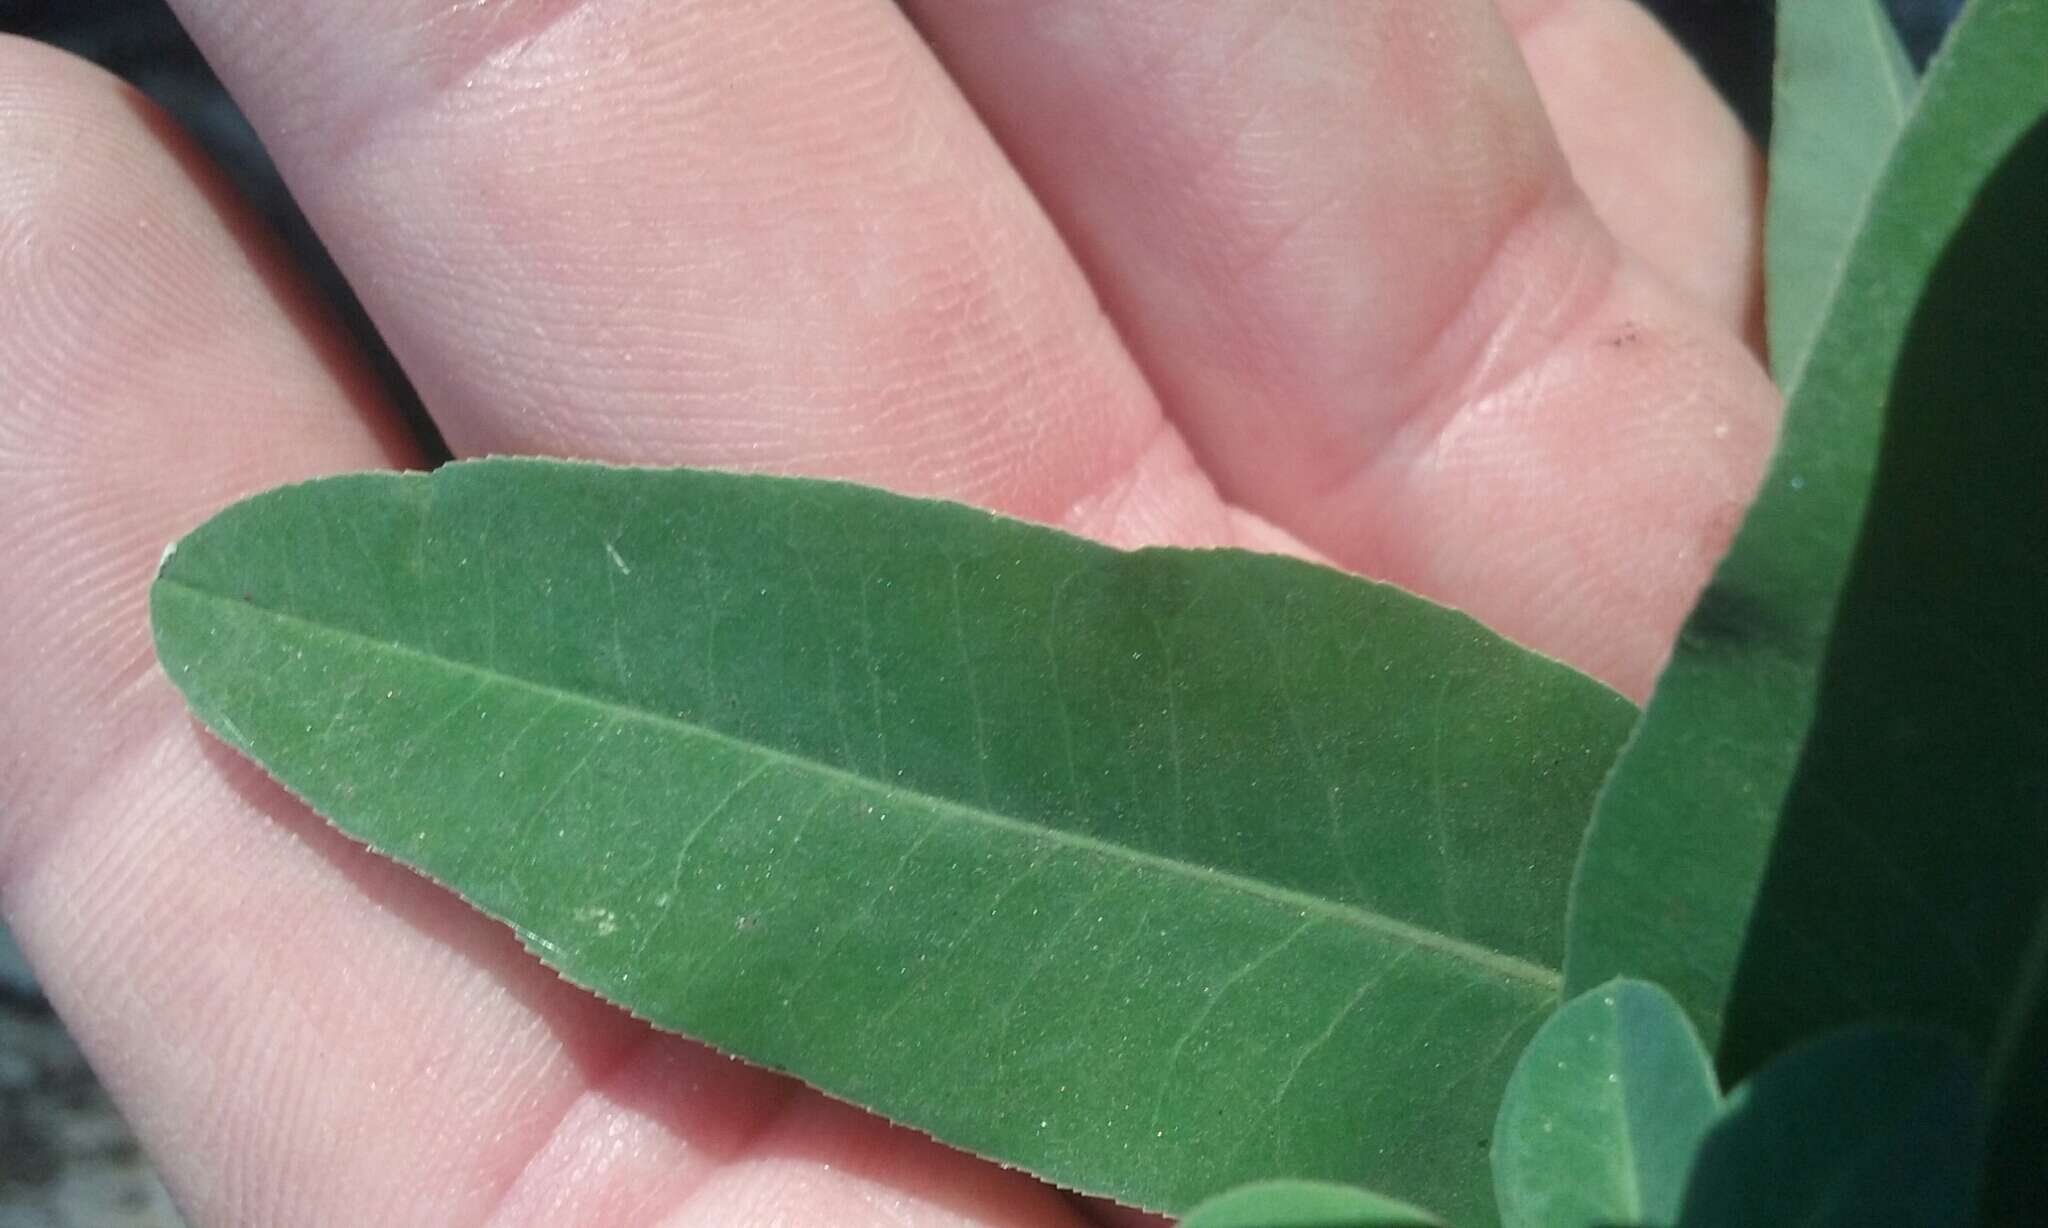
pixel 1456 293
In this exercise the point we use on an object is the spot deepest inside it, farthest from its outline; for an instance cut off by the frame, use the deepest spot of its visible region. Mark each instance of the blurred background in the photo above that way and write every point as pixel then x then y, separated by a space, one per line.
pixel 66 1158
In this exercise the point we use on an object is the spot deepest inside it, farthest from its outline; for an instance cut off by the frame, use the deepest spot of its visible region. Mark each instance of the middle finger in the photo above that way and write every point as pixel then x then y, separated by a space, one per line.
pixel 758 235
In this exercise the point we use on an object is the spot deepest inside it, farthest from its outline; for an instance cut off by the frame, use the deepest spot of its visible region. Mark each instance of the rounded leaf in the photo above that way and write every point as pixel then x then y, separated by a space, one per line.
pixel 1305 1204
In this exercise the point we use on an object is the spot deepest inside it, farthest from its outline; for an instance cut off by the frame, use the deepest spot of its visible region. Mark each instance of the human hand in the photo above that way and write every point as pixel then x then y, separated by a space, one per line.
pixel 1299 277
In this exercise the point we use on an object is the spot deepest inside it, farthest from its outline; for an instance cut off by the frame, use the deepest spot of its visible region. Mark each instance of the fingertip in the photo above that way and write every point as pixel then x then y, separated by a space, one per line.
pixel 1662 157
pixel 156 361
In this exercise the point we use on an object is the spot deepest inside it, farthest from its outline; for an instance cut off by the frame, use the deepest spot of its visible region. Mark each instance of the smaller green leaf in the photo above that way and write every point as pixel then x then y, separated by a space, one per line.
pixel 1305 1204
pixel 1604 1113
pixel 1844 89
pixel 1867 1126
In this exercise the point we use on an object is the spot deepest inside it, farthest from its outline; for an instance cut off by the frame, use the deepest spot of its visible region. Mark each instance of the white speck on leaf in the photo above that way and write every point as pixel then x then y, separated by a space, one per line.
pixel 603 920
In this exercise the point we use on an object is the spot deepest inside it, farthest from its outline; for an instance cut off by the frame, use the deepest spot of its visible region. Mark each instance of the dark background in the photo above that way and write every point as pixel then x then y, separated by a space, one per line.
pixel 66 1160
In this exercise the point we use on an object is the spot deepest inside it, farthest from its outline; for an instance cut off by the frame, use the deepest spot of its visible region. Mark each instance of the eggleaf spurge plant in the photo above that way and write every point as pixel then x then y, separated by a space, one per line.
pixel 1237 888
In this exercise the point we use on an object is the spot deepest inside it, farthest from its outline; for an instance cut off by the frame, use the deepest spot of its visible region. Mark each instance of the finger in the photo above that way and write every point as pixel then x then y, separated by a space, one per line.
pixel 1657 151
pixel 1351 257
pixel 303 1033
pixel 224 973
pixel 760 235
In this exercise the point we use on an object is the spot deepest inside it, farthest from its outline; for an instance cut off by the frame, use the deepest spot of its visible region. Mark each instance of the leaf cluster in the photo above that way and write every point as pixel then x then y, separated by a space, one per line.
pixel 1235 887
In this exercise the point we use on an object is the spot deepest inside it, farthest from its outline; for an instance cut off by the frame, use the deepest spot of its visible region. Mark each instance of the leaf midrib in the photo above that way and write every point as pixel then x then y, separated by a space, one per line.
pixel 1632 1176
pixel 1513 967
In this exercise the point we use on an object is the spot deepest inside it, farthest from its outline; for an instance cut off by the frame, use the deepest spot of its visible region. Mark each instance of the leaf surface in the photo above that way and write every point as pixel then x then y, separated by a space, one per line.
pixel 1869 1126
pixel 2016 1084
pixel 1843 88
pixel 1909 878
pixel 1874 630
pixel 1603 1114
pixel 1150 872
pixel 1305 1204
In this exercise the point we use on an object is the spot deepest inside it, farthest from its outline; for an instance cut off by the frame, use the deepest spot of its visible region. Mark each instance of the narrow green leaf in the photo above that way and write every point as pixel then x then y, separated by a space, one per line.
pixel 1871 1126
pixel 1843 90
pixel 1603 1114
pixel 1151 872
pixel 1909 878
pixel 1305 1204
pixel 1862 607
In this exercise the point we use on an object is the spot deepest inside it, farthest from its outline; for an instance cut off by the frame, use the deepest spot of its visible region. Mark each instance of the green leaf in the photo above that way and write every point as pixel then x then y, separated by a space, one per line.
pixel 1305 1204
pixel 1151 872
pixel 2016 1083
pixel 1872 1126
pixel 1603 1114
pixel 1843 90
pixel 1909 878
pixel 1859 590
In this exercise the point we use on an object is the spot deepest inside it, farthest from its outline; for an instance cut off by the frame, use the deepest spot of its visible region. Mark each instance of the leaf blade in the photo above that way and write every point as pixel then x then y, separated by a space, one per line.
pixel 893 841
pixel 1603 1113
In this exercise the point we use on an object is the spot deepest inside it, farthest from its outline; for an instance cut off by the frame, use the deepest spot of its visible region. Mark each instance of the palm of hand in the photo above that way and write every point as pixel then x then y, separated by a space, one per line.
pixel 1311 278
